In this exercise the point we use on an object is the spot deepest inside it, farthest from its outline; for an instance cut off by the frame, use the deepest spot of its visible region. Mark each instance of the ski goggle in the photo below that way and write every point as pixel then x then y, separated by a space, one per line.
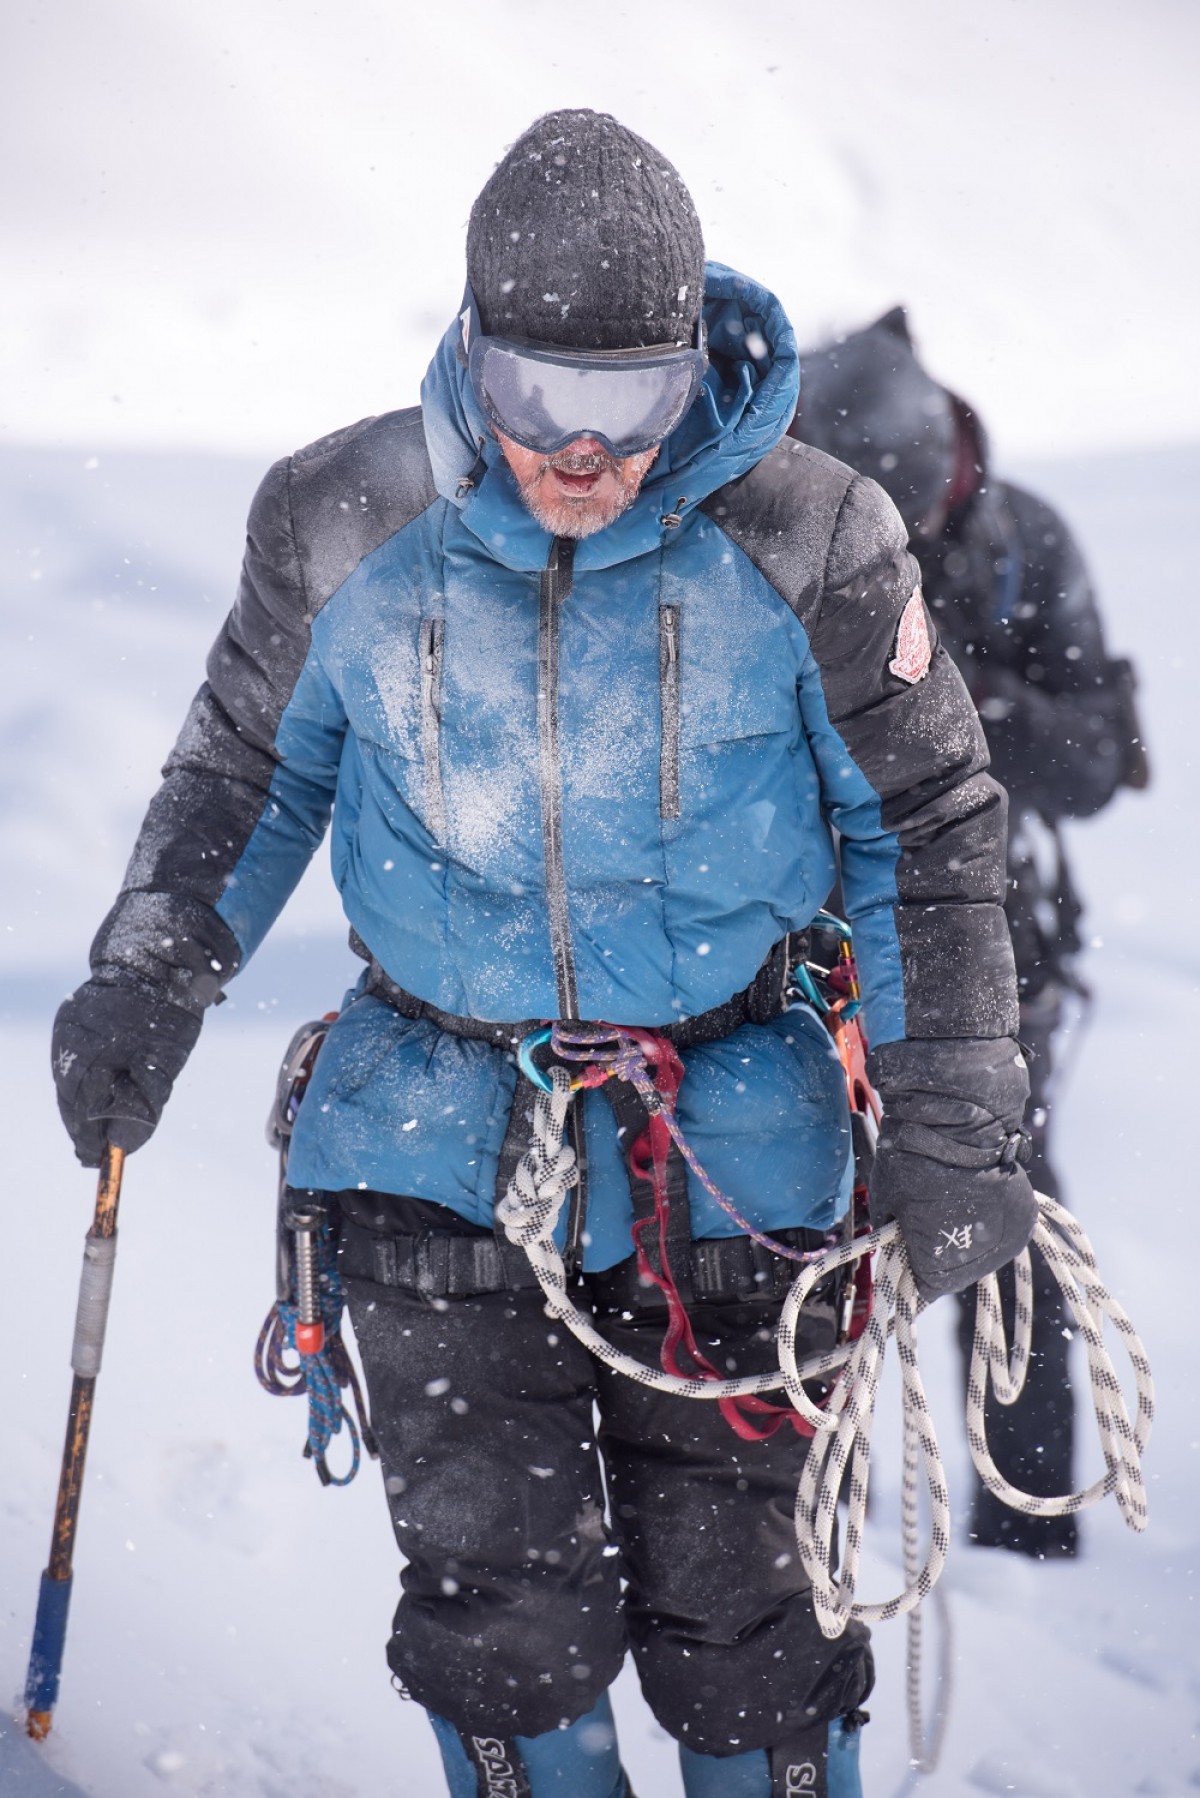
pixel 544 397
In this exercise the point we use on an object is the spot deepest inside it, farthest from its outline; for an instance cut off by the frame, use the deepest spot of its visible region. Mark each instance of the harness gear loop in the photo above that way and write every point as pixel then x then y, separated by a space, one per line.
pixel 306 1318
pixel 319 1373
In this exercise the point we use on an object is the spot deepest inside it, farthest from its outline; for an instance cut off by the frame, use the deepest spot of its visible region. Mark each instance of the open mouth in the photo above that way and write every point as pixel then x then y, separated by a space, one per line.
pixel 578 475
pixel 570 482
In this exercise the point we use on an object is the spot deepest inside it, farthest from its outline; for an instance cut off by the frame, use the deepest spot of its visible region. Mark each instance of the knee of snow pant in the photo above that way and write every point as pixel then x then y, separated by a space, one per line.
pixel 820 1763
pixel 718 1609
pixel 579 1762
pixel 511 1616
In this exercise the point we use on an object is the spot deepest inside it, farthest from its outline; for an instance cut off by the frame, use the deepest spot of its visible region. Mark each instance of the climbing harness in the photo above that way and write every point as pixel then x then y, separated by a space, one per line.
pixel 305 1322
pixel 646 1063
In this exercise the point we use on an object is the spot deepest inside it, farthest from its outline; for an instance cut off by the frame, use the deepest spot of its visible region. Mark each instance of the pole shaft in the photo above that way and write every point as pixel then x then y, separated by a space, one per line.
pixel 108 1193
pixel 45 1662
pixel 70 1479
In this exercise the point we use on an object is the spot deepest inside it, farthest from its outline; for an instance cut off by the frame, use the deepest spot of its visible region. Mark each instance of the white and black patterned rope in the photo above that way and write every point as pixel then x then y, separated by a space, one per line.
pixel 1123 1438
pixel 842 1424
pixel 842 1440
pixel 529 1213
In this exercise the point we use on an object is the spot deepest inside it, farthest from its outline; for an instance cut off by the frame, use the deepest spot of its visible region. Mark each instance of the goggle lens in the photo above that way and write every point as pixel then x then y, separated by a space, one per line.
pixel 544 401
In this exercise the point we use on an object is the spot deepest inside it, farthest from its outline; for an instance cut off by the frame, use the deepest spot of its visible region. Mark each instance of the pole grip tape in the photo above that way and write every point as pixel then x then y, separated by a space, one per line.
pixel 49 1640
pixel 91 1316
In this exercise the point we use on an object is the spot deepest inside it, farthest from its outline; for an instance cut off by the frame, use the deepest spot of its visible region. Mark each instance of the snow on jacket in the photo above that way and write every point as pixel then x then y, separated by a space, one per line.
pixel 605 794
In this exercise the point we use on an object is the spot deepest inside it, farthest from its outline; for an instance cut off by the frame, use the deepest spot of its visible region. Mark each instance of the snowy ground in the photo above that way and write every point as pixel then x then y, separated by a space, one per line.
pixel 229 1615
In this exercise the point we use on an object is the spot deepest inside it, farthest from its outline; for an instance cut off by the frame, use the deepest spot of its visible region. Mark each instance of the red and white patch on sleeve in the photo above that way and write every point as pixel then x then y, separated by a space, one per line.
pixel 913 648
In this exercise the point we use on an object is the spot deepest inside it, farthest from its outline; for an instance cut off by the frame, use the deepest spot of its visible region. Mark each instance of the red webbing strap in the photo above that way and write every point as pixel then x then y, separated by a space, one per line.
pixel 850 1041
pixel 648 1161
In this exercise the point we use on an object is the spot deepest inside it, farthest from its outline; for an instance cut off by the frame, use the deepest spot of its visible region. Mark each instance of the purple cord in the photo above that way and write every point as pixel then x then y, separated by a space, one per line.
pixel 625 1060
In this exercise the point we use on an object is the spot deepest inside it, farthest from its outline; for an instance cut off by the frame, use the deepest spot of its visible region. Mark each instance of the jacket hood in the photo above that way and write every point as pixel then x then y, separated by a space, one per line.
pixel 869 401
pixel 744 407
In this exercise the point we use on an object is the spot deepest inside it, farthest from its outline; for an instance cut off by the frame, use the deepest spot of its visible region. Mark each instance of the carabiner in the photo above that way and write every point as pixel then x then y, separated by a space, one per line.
pixel 804 984
pixel 525 1060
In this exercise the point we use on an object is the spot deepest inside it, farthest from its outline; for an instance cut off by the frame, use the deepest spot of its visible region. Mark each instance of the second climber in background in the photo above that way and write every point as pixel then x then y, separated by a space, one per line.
pixel 1007 588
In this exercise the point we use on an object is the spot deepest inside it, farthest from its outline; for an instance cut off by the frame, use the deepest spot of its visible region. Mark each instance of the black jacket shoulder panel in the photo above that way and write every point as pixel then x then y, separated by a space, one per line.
pixel 349 492
pixel 868 532
pixel 315 517
pixel 783 515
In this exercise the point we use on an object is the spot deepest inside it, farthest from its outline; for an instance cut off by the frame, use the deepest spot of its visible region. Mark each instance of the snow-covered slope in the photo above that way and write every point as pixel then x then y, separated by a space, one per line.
pixel 240 224
pixel 229 1616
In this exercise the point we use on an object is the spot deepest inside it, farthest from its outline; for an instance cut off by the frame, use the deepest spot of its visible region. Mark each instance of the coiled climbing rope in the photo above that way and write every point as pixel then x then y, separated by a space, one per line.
pixel 843 1419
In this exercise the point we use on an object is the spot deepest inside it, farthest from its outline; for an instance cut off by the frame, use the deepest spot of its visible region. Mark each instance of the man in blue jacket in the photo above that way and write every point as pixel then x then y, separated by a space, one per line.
pixel 587 662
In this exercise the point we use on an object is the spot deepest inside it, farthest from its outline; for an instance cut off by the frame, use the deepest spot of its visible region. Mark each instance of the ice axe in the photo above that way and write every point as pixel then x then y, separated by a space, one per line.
pixel 54 1597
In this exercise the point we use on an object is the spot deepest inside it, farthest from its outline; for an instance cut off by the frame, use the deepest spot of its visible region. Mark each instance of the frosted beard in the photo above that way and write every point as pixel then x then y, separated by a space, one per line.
pixel 614 485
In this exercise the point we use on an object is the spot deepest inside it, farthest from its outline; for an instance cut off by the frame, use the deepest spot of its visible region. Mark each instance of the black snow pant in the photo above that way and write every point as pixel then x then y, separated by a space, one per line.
pixel 552 1512
pixel 1033 1441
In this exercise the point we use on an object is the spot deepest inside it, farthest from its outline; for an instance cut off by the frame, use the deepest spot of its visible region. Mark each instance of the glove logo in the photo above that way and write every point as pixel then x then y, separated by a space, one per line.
pixel 913 648
pixel 801 1778
pixel 955 1239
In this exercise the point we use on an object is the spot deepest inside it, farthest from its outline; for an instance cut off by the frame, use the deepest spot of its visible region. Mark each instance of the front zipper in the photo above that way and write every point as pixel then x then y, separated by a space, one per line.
pixel 668 694
pixel 555 587
pixel 431 726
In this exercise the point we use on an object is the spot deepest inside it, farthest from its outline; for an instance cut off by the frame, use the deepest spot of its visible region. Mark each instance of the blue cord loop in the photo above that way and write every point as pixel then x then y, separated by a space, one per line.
pixel 321 1376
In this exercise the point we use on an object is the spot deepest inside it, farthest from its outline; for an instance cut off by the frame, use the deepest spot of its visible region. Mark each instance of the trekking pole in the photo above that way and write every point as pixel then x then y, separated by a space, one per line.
pixel 54 1598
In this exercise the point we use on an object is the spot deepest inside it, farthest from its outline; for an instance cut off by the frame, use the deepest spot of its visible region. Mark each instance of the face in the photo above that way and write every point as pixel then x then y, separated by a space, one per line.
pixel 579 489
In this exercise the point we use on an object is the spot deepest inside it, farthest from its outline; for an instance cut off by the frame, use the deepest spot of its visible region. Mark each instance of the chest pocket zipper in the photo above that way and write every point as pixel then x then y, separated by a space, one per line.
pixel 431 725
pixel 668 689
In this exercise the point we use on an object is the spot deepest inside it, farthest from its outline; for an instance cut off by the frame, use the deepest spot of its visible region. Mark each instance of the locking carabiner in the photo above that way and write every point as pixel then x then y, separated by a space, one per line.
pixel 525 1060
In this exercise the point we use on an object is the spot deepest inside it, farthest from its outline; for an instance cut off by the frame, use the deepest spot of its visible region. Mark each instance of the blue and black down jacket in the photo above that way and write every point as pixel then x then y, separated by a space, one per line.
pixel 599 786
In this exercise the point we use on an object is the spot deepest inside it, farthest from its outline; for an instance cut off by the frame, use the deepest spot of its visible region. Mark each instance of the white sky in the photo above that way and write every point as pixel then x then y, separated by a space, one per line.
pixel 239 224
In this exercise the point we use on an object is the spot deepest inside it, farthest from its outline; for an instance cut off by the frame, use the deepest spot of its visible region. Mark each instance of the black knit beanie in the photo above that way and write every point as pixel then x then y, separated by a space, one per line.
pixel 585 236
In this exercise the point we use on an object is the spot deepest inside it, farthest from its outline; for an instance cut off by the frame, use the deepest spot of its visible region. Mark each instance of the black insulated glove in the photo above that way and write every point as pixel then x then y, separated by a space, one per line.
pixel 118 1048
pixel 949 1164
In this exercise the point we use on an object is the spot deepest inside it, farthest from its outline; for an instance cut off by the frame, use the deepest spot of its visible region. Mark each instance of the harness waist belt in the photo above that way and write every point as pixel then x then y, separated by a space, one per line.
pixel 764 999
pixel 440 1264
pixel 722 1267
